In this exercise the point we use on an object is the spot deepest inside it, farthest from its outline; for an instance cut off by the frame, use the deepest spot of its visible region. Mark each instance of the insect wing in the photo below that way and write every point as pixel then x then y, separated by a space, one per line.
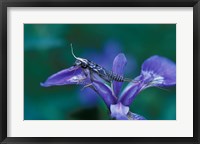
pixel 103 74
pixel 100 71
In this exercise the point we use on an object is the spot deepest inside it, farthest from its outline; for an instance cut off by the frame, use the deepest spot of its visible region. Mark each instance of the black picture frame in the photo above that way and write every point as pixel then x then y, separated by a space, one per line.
pixel 4 4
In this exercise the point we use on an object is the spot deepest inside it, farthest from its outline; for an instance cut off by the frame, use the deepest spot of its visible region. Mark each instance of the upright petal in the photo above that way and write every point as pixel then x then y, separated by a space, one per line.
pixel 118 68
pixel 161 69
pixel 72 75
pixel 105 92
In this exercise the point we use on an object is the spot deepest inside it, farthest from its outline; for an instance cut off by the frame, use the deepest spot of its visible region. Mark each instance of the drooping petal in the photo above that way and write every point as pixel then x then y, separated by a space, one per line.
pixel 134 116
pixel 119 111
pixel 118 68
pixel 72 75
pixel 105 92
pixel 161 69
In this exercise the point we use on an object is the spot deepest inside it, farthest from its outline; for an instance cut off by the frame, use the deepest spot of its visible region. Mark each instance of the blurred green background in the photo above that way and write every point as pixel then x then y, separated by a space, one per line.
pixel 47 51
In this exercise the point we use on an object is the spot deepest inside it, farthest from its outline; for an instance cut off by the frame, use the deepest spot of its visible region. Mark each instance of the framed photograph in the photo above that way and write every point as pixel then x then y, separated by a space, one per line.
pixel 100 72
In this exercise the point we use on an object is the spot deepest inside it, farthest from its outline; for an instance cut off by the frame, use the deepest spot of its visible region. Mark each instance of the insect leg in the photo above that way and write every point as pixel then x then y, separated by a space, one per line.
pixel 88 74
pixel 92 77
pixel 88 85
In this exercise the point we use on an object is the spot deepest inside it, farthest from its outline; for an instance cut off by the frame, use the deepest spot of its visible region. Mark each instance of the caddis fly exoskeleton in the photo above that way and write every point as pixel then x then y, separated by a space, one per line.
pixel 97 69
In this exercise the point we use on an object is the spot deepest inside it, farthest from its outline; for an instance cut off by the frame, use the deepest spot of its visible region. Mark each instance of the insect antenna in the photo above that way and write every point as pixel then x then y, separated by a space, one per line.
pixel 131 80
pixel 72 51
pixel 127 80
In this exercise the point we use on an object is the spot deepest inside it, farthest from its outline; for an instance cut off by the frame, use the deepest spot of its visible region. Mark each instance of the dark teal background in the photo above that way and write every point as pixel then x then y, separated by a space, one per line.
pixel 47 51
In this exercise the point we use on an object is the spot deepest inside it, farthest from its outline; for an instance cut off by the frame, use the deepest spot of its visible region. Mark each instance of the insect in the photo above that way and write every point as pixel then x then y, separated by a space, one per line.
pixel 94 68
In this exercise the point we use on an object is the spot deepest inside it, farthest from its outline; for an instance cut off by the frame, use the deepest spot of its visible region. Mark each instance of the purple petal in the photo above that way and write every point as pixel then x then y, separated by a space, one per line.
pixel 105 92
pixel 161 69
pixel 156 71
pixel 130 92
pixel 118 68
pixel 134 116
pixel 72 75
pixel 119 111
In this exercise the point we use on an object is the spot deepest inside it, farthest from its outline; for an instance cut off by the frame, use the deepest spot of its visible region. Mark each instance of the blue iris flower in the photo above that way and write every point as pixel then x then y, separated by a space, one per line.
pixel 111 48
pixel 156 71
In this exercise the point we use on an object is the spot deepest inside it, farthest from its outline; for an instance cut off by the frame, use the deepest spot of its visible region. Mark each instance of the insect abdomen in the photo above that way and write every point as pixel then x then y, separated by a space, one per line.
pixel 105 74
pixel 115 77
